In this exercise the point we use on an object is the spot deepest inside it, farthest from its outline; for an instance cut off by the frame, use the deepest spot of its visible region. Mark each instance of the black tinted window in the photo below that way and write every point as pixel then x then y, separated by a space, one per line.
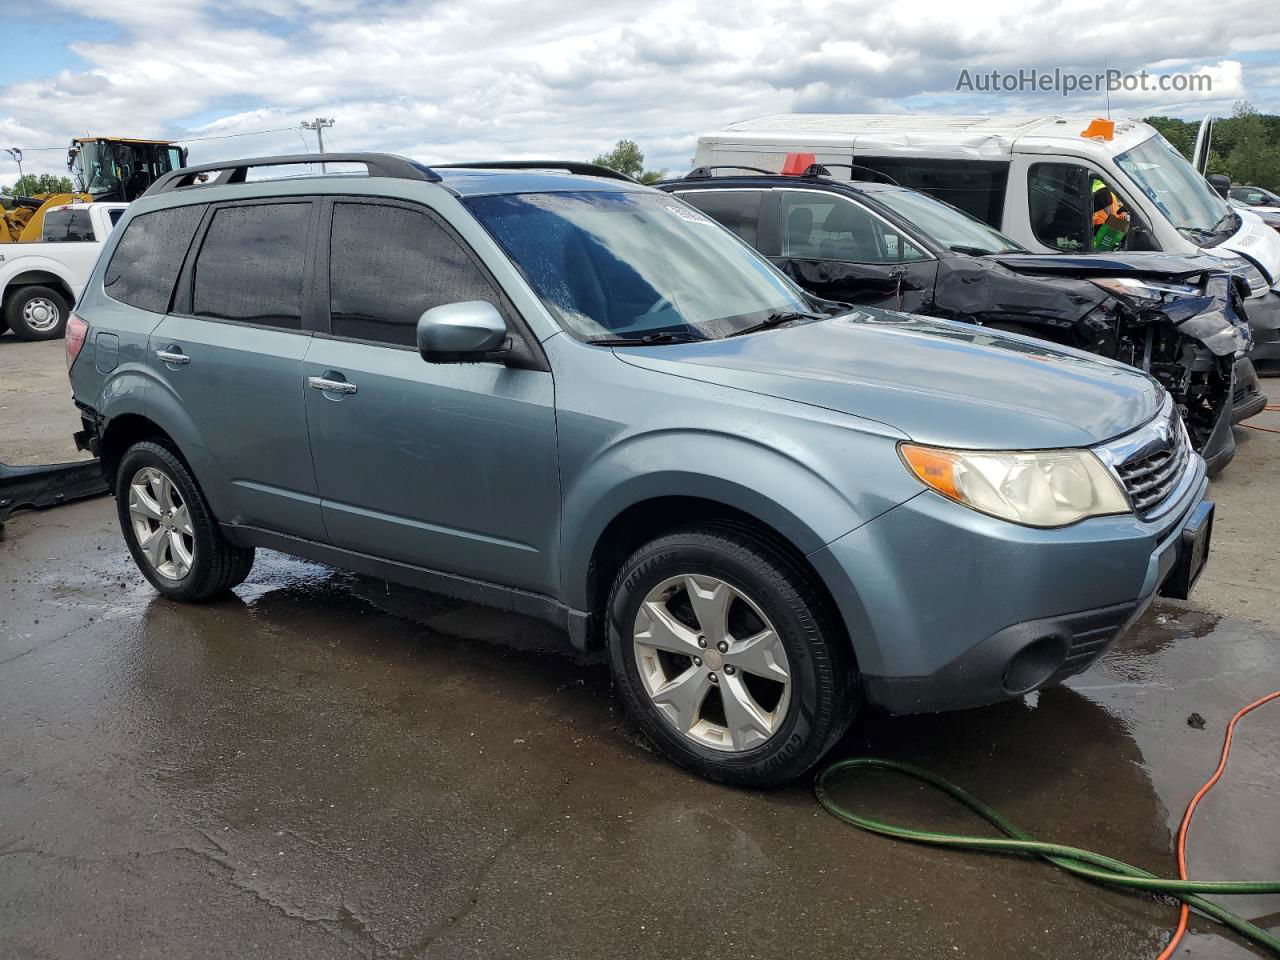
pixel 739 210
pixel 251 265
pixel 822 226
pixel 975 186
pixel 147 259
pixel 390 264
pixel 67 226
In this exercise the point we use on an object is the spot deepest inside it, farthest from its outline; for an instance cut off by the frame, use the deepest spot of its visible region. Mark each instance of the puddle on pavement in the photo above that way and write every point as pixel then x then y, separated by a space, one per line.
pixel 321 725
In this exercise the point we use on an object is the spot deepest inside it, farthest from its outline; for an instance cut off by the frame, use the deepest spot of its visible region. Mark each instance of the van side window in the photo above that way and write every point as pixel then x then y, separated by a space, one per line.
pixel 1074 209
pixel 251 265
pixel 67 226
pixel 147 259
pixel 819 226
pixel 388 265
pixel 739 210
pixel 975 186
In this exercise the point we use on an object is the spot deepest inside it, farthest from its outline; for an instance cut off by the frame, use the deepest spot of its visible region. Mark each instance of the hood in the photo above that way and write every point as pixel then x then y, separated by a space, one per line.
pixel 941 383
pixel 1167 265
pixel 1255 241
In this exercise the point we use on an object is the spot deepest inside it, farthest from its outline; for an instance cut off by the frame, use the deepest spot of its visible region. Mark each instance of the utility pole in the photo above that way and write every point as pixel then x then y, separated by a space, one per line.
pixel 16 153
pixel 318 125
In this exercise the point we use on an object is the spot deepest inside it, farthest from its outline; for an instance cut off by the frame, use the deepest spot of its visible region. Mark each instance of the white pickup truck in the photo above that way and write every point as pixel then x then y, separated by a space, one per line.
pixel 39 282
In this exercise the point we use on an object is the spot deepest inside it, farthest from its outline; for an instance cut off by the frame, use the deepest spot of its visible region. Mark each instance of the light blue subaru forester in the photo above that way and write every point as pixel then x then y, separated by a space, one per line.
pixel 544 387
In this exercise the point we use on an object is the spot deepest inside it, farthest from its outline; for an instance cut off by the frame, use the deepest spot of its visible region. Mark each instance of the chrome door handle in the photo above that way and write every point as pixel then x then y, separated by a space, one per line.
pixel 331 386
pixel 170 357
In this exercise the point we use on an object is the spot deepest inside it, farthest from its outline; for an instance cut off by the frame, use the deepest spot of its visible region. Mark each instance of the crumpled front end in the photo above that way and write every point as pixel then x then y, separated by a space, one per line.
pixel 1180 320
pixel 1189 336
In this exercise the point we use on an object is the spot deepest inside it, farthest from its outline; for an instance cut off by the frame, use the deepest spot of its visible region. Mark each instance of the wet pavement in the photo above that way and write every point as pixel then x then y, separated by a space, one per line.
pixel 328 766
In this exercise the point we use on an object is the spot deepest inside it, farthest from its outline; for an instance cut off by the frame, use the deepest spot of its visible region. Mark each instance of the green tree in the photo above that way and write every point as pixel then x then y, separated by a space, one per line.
pixel 627 157
pixel 1252 157
pixel 1180 133
pixel 28 185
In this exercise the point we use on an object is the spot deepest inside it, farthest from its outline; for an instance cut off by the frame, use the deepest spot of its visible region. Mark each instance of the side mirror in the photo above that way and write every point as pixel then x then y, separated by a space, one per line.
pixel 468 332
pixel 1221 183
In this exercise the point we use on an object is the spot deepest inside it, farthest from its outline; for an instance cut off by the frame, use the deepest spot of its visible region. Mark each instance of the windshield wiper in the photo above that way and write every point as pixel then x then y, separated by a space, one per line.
pixel 1228 219
pixel 975 251
pixel 649 339
pixel 777 319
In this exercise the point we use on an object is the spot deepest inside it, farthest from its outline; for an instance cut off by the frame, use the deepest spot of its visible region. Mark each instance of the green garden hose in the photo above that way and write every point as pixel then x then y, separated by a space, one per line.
pixel 1083 863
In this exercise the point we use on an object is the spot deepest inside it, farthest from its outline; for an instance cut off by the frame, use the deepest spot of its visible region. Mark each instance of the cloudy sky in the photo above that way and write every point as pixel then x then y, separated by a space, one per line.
pixel 550 78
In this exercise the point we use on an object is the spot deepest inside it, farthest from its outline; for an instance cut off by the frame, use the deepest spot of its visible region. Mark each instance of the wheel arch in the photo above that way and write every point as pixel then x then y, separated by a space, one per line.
pixel 168 423
pixel 39 277
pixel 644 520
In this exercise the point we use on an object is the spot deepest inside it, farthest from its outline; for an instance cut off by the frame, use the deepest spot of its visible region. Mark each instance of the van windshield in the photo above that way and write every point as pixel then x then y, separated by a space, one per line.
pixel 633 264
pixel 946 225
pixel 1181 194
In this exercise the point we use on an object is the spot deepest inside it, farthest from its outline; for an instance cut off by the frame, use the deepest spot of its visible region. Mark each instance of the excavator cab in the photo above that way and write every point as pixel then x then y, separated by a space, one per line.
pixel 121 169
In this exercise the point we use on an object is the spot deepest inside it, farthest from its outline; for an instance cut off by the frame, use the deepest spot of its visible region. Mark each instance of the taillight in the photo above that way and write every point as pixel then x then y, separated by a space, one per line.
pixel 77 330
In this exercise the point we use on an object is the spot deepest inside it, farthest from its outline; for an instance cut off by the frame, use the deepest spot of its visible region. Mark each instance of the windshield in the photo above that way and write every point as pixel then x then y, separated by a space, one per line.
pixel 632 264
pixel 1181 194
pixel 945 224
pixel 106 168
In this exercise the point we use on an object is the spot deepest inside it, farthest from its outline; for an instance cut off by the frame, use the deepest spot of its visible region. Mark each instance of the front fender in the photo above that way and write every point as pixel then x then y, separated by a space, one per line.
pixel 792 494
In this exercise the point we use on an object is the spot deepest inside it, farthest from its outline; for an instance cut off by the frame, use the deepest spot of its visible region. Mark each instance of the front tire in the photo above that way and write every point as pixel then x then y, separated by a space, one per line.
pixel 170 530
pixel 728 656
pixel 37 313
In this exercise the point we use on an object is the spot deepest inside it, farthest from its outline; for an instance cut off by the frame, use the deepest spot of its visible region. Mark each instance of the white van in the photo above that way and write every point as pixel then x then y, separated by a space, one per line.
pixel 1033 178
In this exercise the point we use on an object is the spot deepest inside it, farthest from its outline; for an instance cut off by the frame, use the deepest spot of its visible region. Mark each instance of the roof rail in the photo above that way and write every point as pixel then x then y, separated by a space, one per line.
pixel 704 173
pixel 568 166
pixel 235 171
pixel 820 170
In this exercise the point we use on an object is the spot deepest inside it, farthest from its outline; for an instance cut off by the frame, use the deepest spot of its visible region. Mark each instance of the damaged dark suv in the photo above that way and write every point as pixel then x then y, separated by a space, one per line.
pixel 878 244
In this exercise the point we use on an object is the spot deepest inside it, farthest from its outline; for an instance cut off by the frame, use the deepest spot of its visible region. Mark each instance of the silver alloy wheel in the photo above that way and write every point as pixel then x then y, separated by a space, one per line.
pixel 41 314
pixel 712 663
pixel 161 523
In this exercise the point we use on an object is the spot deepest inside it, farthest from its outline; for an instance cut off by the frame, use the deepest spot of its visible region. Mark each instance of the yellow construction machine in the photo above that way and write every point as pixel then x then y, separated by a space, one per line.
pixel 105 169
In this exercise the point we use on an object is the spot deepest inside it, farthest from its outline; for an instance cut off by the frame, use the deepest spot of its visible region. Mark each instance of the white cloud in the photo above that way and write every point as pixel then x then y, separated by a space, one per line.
pixel 448 81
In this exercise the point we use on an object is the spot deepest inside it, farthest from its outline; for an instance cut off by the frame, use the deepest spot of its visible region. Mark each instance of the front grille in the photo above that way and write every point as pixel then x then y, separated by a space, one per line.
pixel 1092 634
pixel 1151 474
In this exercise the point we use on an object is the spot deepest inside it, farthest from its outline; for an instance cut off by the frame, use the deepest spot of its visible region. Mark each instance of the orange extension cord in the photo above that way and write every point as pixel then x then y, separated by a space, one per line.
pixel 1185 828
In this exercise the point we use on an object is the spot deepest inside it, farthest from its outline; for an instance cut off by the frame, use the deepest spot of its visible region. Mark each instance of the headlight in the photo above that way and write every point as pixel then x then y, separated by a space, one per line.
pixel 1038 488
pixel 1144 289
pixel 1246 268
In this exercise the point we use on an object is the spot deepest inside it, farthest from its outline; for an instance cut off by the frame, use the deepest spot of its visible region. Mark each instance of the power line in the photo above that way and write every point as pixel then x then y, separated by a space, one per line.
pixel 227 136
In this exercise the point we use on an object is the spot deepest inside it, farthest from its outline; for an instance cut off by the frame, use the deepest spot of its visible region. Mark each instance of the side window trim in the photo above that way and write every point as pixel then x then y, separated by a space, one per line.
pixel 182 303
pixel 838 197
pixel 516 324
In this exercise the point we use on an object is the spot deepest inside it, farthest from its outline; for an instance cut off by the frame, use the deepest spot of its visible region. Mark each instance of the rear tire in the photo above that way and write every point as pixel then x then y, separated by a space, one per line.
pixel 171 532
pixel 36 313
pixel 752 712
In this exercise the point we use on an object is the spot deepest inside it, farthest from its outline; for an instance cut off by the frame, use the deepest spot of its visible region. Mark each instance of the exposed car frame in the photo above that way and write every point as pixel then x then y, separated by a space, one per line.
pixel 1179 318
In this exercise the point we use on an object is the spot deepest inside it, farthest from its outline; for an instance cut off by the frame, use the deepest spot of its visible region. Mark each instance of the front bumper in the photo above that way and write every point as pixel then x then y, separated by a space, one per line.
pixel 1264 322
pixel 1247 398
pixel 941 602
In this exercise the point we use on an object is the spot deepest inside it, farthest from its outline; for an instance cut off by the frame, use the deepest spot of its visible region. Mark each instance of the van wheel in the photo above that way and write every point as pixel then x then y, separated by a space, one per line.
pixel 728 657
pixel 170 530
pixel 36 313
